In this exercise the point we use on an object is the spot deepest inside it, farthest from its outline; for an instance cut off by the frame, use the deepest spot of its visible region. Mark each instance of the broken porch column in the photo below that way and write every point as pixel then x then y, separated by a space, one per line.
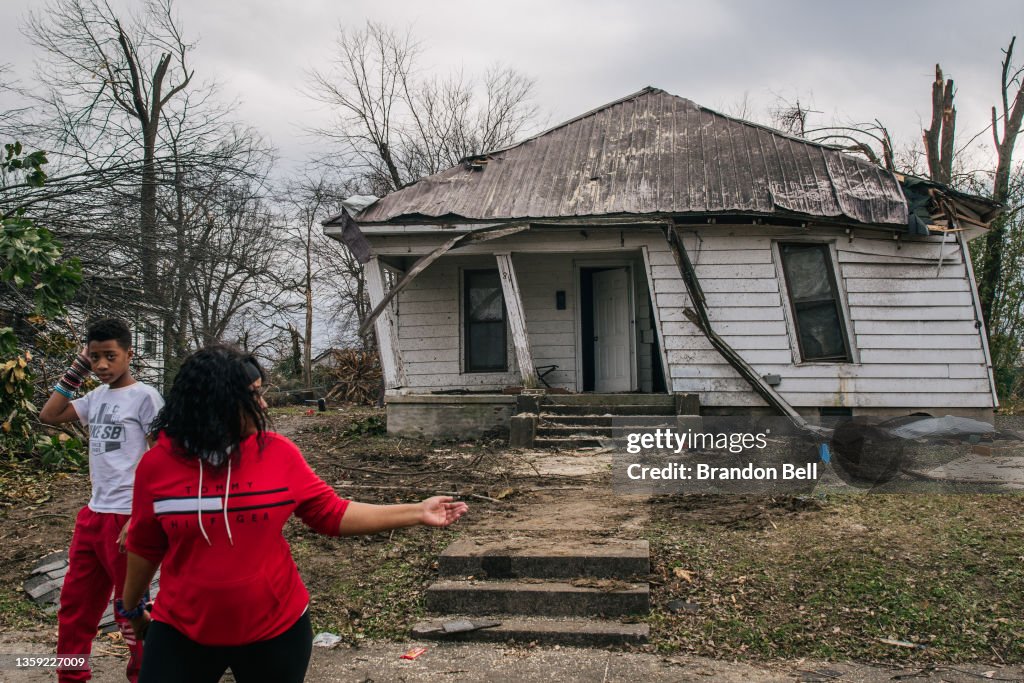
pixel 386 326
pixel 516 320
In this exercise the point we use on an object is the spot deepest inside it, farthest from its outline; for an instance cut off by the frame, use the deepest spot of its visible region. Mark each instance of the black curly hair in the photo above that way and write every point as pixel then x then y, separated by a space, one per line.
pixel 110 328
pixel 207 404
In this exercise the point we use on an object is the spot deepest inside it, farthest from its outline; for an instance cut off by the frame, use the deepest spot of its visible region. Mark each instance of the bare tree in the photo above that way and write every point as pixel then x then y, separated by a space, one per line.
pixel 870 139
pixel 393 128
pixel 145 154
pixel 323 266
pixel 239 268
pixel 113 76
pixel 1012 116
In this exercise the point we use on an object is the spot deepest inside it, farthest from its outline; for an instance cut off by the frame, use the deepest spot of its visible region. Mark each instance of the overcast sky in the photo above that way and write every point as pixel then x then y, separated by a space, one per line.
pixel 855 61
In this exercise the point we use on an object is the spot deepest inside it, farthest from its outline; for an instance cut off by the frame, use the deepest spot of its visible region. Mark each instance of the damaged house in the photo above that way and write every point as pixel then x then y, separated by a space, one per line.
pixel 652 255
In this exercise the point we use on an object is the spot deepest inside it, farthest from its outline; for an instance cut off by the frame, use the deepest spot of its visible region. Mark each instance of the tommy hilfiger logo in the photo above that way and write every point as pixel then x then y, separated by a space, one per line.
pixel 237 502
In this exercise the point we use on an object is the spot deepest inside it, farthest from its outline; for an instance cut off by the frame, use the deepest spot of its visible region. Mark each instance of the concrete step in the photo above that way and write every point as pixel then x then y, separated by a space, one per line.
pixel 611 399
pixel 537 558
pixel 583 598
pixel 567 443
pixel 578 420
pixel 576 632
pixel 551 430
pixel 606 411
pixel 586 421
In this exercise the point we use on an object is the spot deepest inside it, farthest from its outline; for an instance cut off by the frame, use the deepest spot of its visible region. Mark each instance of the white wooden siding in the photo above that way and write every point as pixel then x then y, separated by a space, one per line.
pixel 912 323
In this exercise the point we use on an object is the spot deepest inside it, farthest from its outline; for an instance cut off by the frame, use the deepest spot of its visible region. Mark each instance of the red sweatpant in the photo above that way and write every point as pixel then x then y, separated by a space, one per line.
pixel 95 567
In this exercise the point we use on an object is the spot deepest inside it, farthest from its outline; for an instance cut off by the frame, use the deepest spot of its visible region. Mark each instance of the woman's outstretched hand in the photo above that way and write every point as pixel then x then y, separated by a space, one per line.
pixel 441 511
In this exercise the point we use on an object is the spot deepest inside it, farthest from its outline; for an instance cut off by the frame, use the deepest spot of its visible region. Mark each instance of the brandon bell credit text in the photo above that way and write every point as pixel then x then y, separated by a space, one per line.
pixel 706 472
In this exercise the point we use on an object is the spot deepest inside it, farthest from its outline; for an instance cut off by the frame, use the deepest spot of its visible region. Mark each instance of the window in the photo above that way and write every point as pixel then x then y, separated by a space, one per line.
pixel 484 311
pixel 149 343
pixel 814 300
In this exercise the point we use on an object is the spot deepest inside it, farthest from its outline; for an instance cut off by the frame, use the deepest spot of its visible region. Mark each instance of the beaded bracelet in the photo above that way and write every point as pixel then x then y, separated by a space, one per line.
pixel 63 392
pixel 130 613
pixel 74 376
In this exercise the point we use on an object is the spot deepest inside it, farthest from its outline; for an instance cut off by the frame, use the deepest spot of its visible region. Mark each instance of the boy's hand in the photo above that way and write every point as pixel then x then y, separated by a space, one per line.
pixel 123 536
pixel 58 409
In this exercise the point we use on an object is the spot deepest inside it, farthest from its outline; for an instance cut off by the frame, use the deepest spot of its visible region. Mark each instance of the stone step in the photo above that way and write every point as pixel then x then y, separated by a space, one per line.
pixel 575 632
pixel 571 431
pixel 578 420
pixel 567 443
pixel 606 411
pixel 592 597
pixel 540 559
pixel 583 421
pixel 611 400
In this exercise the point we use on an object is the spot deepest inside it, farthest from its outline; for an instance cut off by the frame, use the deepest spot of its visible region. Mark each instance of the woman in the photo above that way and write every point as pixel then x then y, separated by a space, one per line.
pixel 211 498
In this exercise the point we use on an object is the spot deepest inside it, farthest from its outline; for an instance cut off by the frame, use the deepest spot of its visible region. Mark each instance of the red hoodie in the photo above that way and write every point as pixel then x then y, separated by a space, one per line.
pixel 228 578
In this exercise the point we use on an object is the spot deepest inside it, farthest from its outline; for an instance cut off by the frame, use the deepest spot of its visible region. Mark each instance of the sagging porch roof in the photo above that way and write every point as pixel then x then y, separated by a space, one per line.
pixel 652 153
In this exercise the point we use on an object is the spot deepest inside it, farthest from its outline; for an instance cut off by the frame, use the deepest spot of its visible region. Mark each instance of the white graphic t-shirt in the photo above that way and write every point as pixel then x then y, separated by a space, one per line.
pixel 118 421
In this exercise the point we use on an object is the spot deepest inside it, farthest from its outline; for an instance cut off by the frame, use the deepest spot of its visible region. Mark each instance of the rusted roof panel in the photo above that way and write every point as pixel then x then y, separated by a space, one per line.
pixel 653 153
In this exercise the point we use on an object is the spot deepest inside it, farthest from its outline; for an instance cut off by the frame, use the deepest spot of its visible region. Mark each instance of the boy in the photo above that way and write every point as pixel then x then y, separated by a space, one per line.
pixel 118 414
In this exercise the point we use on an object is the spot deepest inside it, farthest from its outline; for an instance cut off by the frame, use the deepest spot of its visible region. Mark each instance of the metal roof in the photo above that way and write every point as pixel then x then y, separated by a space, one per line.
pixel 652 153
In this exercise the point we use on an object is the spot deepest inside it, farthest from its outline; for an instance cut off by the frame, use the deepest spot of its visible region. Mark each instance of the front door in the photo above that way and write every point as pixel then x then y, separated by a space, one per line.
pixel 612 330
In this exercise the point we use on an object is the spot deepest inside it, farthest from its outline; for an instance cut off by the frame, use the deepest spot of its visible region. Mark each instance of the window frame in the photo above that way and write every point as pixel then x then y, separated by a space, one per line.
pixel 467 323
pixel 837 299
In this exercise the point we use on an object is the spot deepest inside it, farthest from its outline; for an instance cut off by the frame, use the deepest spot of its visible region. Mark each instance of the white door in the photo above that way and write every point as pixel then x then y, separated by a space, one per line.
pixel 612 329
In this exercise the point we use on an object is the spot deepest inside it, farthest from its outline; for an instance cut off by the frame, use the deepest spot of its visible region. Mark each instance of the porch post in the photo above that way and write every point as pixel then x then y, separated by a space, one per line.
pixel 517 320
pixel 386 326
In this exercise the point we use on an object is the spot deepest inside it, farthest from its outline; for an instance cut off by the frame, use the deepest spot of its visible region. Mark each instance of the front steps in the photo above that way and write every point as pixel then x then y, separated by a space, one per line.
pixel 586 593
pixel 604 559
pixel 572 421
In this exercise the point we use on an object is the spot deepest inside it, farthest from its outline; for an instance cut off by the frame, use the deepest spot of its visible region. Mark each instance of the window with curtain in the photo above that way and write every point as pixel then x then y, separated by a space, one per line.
pixel 814 301
pixel 485 347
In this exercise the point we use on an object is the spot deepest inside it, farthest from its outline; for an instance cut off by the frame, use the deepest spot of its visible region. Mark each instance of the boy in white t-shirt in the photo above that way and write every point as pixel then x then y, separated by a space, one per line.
pixel 118 415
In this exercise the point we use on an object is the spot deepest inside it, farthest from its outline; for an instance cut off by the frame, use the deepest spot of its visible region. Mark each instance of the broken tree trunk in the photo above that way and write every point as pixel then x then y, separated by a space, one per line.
pixel 938 140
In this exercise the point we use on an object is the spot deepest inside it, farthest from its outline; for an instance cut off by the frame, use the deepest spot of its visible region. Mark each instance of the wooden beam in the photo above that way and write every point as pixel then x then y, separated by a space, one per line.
pixel 979 319
pixel 386 327
pixel 517 320
pixel 701 320
pixel 656 311
pixel 481 235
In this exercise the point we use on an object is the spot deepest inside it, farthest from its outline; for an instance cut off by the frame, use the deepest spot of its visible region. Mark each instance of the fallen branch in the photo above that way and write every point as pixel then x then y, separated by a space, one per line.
pixel 45 514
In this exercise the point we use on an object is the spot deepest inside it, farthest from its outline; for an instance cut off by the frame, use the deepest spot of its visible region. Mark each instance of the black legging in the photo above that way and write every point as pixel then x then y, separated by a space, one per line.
pixel 171 657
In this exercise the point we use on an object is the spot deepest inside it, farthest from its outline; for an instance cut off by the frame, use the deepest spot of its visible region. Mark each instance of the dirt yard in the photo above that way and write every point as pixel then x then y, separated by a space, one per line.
pixel 915 580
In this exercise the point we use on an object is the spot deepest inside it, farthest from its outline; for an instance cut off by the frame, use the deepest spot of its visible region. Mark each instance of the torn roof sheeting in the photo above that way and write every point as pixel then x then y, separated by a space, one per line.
pixel 653 153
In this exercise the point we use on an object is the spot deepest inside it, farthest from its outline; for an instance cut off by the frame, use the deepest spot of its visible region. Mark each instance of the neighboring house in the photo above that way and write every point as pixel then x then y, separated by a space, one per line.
pixel 144 319
pixel 560 262
pixel 327 359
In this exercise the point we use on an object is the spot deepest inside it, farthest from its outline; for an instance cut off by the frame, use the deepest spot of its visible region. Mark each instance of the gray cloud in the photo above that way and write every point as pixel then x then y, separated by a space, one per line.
pixel 857 61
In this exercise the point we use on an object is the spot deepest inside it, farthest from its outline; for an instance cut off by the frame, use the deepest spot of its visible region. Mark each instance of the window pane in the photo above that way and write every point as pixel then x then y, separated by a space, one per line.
pixel 820 333
pixel 486 346
pixel 485 298
pixel 485 322
pixel 806 272
pixel 814 301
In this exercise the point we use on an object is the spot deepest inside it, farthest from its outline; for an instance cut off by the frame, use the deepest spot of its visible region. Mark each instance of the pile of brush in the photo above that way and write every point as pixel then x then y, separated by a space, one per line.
pixel 352 375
